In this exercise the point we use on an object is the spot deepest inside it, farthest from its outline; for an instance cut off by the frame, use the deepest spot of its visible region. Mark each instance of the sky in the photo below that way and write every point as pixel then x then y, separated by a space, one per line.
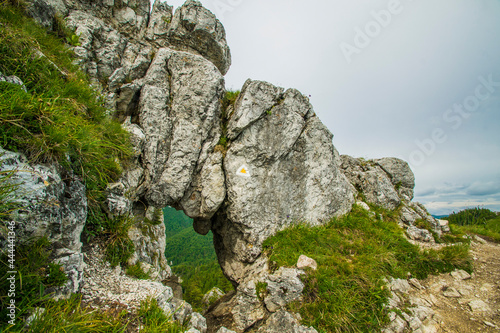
pixel 413 79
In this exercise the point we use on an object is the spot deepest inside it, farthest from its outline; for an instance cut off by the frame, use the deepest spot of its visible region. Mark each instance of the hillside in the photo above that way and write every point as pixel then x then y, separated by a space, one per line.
pixel 113 112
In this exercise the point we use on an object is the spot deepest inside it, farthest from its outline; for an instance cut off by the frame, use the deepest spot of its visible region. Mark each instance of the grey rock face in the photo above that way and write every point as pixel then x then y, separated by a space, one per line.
pixel 52 204
pixel 421 235
pixel 196 29
pixel 198 322
pixel 283 287
pixel 290 174
pixel 179 134
pixel 283 321
pixel 101 46
pixel 371 180
pixel 400 175
pixel 159 21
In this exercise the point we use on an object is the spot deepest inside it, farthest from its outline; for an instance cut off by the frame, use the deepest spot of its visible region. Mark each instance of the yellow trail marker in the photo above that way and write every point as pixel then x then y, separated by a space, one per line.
pixel 243 171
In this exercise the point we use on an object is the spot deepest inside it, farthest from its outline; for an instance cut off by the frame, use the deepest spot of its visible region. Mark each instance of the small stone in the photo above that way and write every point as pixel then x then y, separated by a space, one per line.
pixel 480 240
pixel 399 285
pixel 415 283
pixel 452 293
pixel 460 275
pixel 487 323
pixel 479 306
pixel 305 262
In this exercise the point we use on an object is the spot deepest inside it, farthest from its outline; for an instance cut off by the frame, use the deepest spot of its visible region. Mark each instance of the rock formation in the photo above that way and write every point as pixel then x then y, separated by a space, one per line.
pixel 162 76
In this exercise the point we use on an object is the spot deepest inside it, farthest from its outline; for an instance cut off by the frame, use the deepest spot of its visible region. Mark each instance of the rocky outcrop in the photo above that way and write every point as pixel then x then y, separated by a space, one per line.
pixel 389 183
pixel 52 204
pixel 280 169
pixel 162 76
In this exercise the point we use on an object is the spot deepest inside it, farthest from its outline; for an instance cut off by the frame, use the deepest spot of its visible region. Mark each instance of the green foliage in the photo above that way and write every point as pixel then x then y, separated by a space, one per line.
pixel 491 230
pixel 155 321
pixel 137 272
pixel 472 216
pixel 34 276
pixel 199 280
pixel 229 99
pixel 261 290
pixel 480 221
pixel 7 195
pixel 175 221
pixel 193 258
pixel 119 247
pixel 347 292
pixel 70 316
pixel 61 118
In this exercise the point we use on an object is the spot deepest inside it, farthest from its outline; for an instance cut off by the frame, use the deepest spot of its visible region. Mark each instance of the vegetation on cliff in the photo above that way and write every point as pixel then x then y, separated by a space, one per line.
pixel 59 118
pixel 355 254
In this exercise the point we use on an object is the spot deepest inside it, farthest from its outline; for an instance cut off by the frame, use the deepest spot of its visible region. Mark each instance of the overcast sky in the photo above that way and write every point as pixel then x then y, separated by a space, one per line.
pixel 418 80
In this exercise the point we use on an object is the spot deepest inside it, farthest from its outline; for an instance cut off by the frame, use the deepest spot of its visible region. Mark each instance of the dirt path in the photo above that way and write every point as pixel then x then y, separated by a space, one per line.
pixel 463 303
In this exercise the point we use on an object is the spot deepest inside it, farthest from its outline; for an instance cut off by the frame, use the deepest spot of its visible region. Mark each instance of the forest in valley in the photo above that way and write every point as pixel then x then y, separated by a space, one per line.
pixel 192 257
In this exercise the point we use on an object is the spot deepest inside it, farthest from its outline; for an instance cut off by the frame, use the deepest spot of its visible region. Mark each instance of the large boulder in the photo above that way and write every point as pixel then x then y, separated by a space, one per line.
pixel 196 29
pixel 371 181
pixel 52 204
pixel 280 169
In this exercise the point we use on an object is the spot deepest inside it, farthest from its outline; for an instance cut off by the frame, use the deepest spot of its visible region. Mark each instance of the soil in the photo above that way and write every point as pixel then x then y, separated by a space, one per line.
pixel 476 306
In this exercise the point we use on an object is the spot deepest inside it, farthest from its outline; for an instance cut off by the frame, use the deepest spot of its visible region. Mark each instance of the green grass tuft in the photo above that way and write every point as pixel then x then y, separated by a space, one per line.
pixel 155 320
pixel 354 253
pixel 61 118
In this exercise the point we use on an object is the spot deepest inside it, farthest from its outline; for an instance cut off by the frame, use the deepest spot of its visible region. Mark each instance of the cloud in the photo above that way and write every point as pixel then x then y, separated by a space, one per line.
pixel 483 189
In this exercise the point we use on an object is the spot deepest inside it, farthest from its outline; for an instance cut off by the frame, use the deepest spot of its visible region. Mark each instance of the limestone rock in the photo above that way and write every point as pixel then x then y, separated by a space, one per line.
pixel 371 180
pixel 198 322
pixel 283 321
pixel 419 234
pixel 400 175
pixel 195 28
pixel 460 275
pixel 305 262
pixel 255 99
pixel 148 236
pixel 225 330
pixel 451 293
pixel 179 135
pixel 101 46
pixel 53 205
pixel 243 309
pixel 400 286
pixel 283 287
pixel 159 21
pixel 212 296
pixel 479 306
pixel 291 175
pixel 13 80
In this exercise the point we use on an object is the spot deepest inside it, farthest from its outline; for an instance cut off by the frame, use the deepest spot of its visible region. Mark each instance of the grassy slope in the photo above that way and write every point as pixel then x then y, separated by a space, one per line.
pixel 478 221
pixel 59 119
pixel 354 253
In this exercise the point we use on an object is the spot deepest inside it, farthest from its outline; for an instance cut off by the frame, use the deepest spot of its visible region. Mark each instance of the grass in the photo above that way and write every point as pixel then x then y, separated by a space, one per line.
pixel 35 275
pixel 479 221
pixel 34 278
pixel 229 99
pixel 155 321
pixel 61 118
pixel 354 253
pixel 472 216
